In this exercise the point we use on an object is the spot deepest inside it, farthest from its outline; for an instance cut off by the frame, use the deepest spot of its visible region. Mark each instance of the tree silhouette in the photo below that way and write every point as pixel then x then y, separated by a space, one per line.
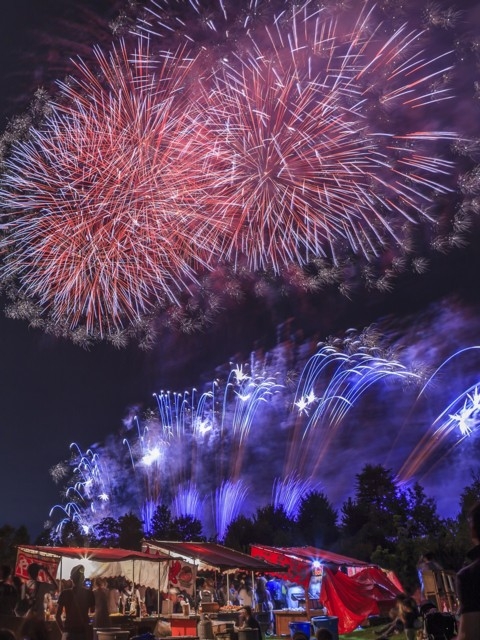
pixel 240 534
pixel 317 520
pixel 131 532
pixel 272 526
pixel 107 533
pixel 183 528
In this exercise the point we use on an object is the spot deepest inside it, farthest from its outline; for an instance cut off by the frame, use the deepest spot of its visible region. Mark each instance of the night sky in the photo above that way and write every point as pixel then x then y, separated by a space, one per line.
pixel 53 392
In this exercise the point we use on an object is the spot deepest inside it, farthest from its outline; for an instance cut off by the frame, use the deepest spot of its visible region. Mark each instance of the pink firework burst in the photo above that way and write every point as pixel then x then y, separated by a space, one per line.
pixel 315 128
pixel 107 221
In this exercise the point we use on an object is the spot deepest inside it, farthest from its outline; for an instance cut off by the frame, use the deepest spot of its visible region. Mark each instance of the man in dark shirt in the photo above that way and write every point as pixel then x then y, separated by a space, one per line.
pixel 250 622
pixel 76 602
pixel 468 585
pixel 8 593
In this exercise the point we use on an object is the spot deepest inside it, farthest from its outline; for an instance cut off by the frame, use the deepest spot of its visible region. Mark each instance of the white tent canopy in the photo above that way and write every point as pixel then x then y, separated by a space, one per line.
pixel 140 568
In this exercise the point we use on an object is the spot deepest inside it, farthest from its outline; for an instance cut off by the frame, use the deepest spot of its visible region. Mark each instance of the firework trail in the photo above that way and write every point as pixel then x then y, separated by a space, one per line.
pixel 89 497
pixel 187 501
pixel 239 414
pixel 282 137
pixel 332 383
pixel 228 503
pixel 461 417
pixel 209 471
pixel 288 492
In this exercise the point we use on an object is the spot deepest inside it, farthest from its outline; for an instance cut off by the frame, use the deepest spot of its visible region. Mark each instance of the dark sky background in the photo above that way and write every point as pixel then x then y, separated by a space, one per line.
pixel 53 393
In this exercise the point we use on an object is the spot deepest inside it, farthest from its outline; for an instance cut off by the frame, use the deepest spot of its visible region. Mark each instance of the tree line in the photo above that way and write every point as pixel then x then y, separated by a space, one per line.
pixel 383 523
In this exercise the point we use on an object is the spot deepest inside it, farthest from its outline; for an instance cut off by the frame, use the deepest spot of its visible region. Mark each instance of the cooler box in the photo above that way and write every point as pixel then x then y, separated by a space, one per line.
pixel 326 622
pixel 303 628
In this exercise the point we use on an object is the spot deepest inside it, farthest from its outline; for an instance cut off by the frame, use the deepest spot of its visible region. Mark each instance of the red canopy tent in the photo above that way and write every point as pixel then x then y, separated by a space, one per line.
pixel 351 589
pixel 210 555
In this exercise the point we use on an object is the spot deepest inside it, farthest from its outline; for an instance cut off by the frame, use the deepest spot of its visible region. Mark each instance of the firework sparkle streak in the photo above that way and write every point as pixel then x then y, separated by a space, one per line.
pixel 288 492
pixel 353 374
pixel 305 171
pixel 172 461
pixel 228 501
pixel 288 140
pixel 108 193
pixel 462 415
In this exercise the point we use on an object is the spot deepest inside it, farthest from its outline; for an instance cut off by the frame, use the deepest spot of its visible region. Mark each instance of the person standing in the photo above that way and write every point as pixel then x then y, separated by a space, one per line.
pixel 76 602
pixel 101 617
pixel 245 594
pixel 264 604
pixel 113 596
pixel 468 584
pixel 427 563
pixel 37 590
pixel 8 593
pixel 410 616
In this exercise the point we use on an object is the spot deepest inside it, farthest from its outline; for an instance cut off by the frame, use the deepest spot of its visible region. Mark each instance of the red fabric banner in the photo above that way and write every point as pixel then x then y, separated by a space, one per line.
pixel 24 559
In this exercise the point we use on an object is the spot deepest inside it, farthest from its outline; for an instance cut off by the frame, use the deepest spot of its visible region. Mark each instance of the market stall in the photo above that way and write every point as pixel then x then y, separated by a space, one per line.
pixel 205 557
pixel 141 568
pixel 135 566
pixel 348 589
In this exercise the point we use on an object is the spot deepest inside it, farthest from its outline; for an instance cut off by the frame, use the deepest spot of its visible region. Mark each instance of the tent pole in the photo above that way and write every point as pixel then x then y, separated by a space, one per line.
pixel 195 601
pixel 158 592
pixel 254 597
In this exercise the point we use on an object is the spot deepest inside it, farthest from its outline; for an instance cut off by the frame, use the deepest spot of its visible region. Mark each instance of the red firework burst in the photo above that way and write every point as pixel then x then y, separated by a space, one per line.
pixel 109 193
pixel 290 137
pixel 307 170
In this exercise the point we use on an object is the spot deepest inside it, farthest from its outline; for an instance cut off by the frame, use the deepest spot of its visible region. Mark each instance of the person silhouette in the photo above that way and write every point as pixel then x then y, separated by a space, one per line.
pixel 77 602
pixel 468 584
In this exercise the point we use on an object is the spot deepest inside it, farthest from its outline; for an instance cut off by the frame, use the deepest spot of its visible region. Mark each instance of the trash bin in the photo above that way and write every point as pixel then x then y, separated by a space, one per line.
pixel 300 630
pixel 326 622
pixel 104 630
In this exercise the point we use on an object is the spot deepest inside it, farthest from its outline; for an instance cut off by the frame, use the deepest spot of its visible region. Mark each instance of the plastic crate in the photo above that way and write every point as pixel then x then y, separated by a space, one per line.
pixel 326 622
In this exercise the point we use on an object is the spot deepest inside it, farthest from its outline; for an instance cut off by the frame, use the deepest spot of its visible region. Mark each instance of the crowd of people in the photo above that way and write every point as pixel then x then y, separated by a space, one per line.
pixel 72 603
pixel 77 601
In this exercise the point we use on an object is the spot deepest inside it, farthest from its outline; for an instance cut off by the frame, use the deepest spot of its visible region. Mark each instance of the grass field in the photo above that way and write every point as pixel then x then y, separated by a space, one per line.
pixel 367 633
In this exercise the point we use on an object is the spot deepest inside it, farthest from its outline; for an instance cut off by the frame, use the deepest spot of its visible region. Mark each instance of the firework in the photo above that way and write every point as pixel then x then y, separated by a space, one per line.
pixel 313 163
pixel 282 137
pixel 460 418
pixel 187 502
pixel 228 503
pixel 110 224
pixel 288 492
pixel 335 378
pixel 246 435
